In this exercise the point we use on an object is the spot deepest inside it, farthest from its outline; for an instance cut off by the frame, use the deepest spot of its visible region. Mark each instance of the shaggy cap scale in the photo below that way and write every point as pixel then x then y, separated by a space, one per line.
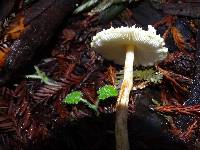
pixel 112 43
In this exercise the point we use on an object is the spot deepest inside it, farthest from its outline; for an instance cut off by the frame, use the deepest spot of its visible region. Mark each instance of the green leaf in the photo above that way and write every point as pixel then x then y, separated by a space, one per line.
pixel 73 98
pixel 106 92
pixel 76 97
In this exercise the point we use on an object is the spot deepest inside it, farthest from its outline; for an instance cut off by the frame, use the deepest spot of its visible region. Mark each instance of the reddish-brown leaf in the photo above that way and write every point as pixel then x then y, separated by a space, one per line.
pixel 111 74
pixel 193 110
pixel 68 35
pixel 16 29
pixel 178 38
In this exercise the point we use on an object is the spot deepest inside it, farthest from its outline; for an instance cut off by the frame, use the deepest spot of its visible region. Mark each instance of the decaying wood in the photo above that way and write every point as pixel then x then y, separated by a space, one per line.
pixel 41 22
pixel 183 9
pixel 145 14
pixel 6 7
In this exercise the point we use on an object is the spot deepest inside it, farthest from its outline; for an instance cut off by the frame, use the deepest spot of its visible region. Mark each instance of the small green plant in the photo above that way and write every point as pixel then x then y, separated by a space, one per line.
pixel 76 97
pixel 104 93
pixel 149 75
pixel 42 76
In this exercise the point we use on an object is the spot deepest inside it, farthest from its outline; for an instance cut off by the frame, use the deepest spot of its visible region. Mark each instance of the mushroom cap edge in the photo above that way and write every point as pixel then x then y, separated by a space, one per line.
pixel 148 46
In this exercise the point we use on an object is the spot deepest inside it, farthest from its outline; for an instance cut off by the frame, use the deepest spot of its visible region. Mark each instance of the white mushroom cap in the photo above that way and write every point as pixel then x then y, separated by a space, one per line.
pixel 112 45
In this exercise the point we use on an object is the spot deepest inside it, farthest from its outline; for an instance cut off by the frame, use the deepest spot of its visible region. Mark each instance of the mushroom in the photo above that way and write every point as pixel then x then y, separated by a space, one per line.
pixel 131 46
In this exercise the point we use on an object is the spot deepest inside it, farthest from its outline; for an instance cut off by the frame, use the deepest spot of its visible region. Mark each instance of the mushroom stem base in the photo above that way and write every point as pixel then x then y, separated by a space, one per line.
pixel 121 131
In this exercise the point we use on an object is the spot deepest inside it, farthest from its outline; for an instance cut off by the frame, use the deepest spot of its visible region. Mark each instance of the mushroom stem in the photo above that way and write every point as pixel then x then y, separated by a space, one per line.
pixel 121 131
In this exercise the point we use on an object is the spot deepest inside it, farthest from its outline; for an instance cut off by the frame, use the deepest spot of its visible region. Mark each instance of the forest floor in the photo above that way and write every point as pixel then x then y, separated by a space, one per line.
pixel 164 107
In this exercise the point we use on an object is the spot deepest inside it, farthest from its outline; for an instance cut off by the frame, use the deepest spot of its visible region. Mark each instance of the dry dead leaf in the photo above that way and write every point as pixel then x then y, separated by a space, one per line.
pixel 16 29
pixel 178 38
pixel 68 35
pixel 140 85
pixel 111 74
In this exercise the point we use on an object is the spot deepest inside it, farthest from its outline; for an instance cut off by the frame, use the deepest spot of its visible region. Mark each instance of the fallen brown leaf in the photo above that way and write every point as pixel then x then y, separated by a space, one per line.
pixel 68 35
pixel 16 29
pixel 178 38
